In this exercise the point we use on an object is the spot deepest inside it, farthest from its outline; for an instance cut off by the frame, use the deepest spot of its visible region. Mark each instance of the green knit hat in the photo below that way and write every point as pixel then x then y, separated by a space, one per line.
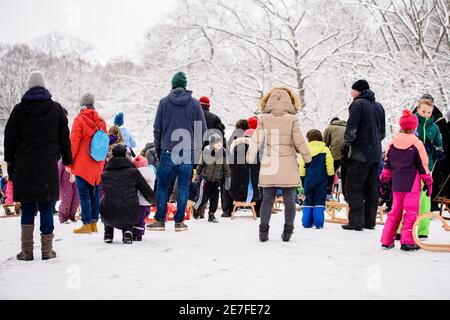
pixel 179 80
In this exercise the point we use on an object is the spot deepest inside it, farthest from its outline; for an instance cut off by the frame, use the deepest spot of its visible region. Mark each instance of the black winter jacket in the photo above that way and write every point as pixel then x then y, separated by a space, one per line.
pixel 366 128
pixel 36 136
pixel 121 182
pixel 214 124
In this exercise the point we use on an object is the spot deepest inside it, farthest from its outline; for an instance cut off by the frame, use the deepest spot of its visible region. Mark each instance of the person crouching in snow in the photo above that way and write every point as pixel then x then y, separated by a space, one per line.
pixel 149 175
pixel 68 194
pixel 212 168
pixel 120 205
pixel 317 180
pixel 406 164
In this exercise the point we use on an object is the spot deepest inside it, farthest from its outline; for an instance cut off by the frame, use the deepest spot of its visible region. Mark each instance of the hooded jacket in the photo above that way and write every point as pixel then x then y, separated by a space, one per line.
pixel 366 128
pixel 431 137
pixel 279 139
pixel 36 135
pixel 179 110
pixel 84 127
pixel 322 164
pixel 405 159
pixel 213 167
pixel 121 182
pixel 333 137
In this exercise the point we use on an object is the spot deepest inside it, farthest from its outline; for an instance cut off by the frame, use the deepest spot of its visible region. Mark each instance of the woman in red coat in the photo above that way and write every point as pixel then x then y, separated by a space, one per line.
pixel 87 170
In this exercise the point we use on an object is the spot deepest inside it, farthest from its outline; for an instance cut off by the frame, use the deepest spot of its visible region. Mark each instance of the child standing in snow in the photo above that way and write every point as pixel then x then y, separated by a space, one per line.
pixel 318 180
pixel 149 175
pixel 67 194
pixel 406 164
pixel 212 168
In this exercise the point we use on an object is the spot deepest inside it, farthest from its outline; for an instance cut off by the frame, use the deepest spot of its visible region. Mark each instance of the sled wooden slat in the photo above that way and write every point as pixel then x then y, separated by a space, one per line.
pixel 431 246
pixel 444 203
pixel 17 210
pixel 238 204
pixel 332 206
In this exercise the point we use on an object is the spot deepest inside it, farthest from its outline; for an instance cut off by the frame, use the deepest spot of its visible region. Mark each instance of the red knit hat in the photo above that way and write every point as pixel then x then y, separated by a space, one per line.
pixel 140 162
pixel 408 121
pixel 253 122
pixel 204 100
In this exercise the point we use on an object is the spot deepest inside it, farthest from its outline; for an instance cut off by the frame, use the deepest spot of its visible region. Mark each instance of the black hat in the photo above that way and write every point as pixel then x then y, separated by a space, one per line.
pixel 428 97
pixel 334 119
pixel 119 151
pixel 361 85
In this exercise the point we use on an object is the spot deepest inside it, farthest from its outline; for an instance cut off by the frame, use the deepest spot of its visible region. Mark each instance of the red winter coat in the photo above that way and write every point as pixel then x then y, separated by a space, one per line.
pixel 83 129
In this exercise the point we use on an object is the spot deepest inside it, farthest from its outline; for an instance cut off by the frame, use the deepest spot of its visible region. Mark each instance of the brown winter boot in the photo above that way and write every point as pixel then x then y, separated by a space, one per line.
pixel 47 246
pixel 94 226
pixel 27 243
pixel 84 229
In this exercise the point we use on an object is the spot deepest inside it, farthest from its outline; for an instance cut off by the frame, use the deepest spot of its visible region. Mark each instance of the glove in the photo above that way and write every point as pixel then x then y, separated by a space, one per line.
pixel 330 184
pixel 386 176
pixel 227 183
pixel 344 153
pixel 428 184
pixel 10 170
pixel 440 154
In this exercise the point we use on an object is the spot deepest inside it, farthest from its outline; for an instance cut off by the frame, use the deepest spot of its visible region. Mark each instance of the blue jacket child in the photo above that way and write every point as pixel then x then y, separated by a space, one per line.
pixel 317 180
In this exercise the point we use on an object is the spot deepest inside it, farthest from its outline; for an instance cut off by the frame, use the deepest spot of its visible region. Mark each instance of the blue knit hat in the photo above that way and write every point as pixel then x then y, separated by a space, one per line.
pixel 118 120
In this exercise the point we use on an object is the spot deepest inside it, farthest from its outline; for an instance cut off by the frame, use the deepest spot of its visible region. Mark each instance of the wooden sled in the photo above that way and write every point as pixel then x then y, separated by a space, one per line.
pixel 444 203
pixel 332 206
pixel 431 246
pixel 238 204
pixel 277 205
pixel 16 212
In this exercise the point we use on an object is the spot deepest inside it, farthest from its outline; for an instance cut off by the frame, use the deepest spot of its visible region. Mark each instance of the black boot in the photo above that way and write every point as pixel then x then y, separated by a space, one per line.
pixel 287 233
pixel 212 218
pixel 410 247
pixel 127 237
pixel 264 232
pixel 349 227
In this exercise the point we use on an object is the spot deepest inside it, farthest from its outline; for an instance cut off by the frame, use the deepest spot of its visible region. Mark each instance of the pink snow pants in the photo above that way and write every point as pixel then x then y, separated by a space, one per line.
pixel 407 202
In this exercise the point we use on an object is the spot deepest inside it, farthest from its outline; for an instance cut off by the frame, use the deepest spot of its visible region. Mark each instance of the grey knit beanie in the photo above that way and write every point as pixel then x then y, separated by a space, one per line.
pixel 87 99
pixel 215 138
pixel 36 79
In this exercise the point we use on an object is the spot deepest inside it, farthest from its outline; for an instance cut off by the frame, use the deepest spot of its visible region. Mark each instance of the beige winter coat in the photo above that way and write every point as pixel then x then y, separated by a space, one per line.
pixel 279 138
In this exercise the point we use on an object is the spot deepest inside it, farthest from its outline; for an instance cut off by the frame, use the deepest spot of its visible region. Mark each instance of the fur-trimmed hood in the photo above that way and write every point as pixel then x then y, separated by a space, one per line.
pixel 280 100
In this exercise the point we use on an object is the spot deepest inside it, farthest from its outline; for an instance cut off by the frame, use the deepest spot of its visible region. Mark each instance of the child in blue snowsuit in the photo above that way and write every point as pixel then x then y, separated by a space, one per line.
pixel 317 180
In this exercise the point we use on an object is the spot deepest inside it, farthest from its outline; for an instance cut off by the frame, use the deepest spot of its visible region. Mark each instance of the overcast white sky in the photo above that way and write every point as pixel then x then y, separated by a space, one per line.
pixel 113 27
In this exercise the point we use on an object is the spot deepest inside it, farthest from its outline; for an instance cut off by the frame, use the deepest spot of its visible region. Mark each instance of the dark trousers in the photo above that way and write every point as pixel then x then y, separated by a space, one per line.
pixel 269 195
pixel 46 211
pixel 344 178
pixel 110 230
pixel 211 193
pixel 227 201
pixel 362 194
pixel 139 229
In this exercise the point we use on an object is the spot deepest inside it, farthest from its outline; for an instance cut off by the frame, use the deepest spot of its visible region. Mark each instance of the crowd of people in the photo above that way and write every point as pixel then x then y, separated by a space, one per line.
pixel 190 159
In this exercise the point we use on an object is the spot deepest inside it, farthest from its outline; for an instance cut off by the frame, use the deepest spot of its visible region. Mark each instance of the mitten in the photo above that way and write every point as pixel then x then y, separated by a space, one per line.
pixel 227 183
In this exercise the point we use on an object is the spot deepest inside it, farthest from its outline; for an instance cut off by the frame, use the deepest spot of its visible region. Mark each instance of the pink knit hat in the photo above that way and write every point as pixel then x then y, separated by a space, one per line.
pixel 140 162
pixel 408 121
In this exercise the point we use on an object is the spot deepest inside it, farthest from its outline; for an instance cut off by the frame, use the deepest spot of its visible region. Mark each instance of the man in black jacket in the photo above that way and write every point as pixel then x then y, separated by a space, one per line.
pixel 366 128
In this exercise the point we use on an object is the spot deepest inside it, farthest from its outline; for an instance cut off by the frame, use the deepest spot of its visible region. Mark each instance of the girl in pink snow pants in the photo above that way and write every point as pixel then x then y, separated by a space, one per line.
pixel 406 164
pixel 68 195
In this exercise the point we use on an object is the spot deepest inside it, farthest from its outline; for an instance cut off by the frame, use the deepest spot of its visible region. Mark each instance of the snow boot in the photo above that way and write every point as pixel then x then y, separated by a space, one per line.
pixel 410 247
pixel 94 226
pixel 84 229
pixel 180 227
pixel 137 238
pixel 156 226
pixel 264 232
pixel 226 215
pixel 47 246
pixel 27 243
pixel 212 218
pixel 349 227
pixel 287 233
pixel 127 237
pixel 386 247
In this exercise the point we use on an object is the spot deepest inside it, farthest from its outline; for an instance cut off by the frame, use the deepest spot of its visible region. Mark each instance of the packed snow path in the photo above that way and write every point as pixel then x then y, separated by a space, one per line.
pixel 223 261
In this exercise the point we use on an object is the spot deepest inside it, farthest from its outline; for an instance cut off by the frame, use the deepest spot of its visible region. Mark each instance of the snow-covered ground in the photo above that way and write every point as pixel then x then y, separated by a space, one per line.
pixel 223 261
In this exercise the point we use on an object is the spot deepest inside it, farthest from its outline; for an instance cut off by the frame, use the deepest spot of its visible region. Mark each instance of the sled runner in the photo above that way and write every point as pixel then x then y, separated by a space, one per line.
pixel 11 210
pixel 431 246
pixel 238 204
